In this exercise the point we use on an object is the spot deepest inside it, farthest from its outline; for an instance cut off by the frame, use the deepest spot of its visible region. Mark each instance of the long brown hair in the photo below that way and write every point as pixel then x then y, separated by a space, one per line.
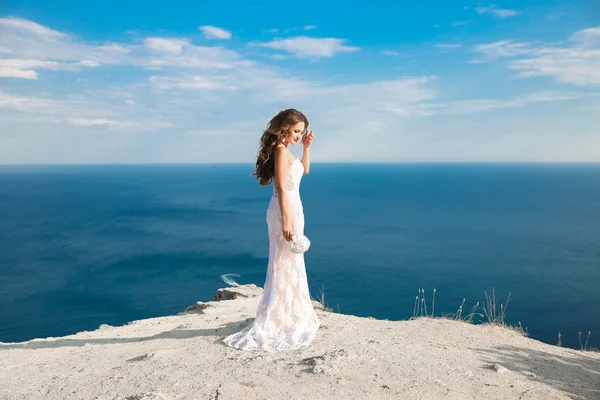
pixel 277 130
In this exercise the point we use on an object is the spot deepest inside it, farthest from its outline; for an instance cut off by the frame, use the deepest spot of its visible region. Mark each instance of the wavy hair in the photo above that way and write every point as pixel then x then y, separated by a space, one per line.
pixel 277 130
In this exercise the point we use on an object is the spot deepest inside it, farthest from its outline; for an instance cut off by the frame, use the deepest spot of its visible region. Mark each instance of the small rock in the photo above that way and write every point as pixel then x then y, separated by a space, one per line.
pixel 139 358
pixel 197 308
pixel 500 369
pixel 326 363
pixel 232 293
pixel 529 374
pixel 104 327
pixel 147 396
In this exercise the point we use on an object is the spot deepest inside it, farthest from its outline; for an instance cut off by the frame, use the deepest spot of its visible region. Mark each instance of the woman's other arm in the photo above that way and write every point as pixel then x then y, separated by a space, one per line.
pixel 281 162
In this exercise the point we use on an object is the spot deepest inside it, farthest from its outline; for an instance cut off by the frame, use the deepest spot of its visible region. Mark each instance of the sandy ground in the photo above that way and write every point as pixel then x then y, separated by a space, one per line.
pixel 183 357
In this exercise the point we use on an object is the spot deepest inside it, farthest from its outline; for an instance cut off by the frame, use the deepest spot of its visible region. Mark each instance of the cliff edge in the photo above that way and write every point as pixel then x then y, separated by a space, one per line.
pixel 183 357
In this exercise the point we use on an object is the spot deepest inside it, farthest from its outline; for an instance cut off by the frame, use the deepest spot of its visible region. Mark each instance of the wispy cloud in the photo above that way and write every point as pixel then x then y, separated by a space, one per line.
pixel 588 38
pixel 214 32
pixel 307 47
pixel 164 45
pixel 498 12
pixel 481 105
pixel 18 68
pixel 447 46
pixel 503 48
pixel 192 82
pixel 226 80
pixel 26 103
pixel 390 53
pixel 7 72
pixel 29 47
pixel 309 27
pixel 577 62
pixel 101 122
pixel 32 48
pixel 191 90
pixel 460 23
pixel 27 27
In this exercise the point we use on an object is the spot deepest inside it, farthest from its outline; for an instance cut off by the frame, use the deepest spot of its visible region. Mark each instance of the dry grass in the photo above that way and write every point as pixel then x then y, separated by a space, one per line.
pixel 322 301
pixel 493 311
pixel 421 310
pixel 585 347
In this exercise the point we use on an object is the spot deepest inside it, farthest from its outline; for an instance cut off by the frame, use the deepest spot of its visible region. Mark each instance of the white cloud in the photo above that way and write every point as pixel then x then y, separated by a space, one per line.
pixel 202 95
pixel 8 72
pixel 192 82
pixel 90 112
pixel 498 12
pixel 306 47
pixel 213 32
pixel 589 38
pixel 33 47
pixel 26 104
pixel 447 45
pixel 88 63
pixel 30 41
pixel 577 63
pixel 163 45
pixel 309 27
pixel 25 69
pixel 114 49
pixel 503 48
pixel 482 105
pixel 29 27
pixel 27 64
pixel 100 122
pixel 570 65
pixel 390 53
pixel 194 57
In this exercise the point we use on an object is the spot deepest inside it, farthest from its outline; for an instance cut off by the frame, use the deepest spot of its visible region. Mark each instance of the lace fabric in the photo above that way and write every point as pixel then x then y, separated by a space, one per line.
pixel 285 317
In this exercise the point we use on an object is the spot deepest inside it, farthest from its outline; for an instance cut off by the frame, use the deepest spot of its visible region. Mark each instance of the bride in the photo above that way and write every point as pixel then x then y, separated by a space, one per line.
pixel 285 317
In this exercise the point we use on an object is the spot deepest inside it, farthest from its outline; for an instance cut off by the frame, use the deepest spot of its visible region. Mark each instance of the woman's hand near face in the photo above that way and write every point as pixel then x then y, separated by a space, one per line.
pixel 307 139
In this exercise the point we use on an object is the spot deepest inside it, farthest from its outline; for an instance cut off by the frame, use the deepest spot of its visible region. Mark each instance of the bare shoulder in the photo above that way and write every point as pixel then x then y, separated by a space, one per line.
pixel 282 153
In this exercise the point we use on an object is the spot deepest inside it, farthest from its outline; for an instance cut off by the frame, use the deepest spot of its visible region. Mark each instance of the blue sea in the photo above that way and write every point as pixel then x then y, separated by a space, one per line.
pixel 84 245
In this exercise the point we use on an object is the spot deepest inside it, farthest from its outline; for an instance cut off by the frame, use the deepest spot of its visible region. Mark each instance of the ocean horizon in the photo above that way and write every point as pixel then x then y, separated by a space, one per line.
pixel 89 244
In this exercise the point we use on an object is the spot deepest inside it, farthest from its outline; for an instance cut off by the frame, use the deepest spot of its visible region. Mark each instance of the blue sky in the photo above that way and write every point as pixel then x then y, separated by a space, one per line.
pixel 193 82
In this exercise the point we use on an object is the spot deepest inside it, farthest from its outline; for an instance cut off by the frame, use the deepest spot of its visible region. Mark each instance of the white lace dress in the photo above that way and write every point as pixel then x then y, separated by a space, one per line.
pixel 285 317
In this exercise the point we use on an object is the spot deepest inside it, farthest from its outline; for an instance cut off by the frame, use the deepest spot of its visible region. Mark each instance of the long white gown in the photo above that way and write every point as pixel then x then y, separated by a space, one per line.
pixel 285 317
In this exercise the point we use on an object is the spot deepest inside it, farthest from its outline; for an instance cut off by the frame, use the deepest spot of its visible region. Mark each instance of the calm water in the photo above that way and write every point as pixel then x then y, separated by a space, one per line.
pixel 85 245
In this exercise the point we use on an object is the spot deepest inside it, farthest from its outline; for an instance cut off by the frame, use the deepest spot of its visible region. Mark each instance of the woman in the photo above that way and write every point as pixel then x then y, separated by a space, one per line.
pixel 285 317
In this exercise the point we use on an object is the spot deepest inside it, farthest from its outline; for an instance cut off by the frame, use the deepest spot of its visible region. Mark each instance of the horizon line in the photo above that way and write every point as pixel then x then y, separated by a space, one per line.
pixel 312 162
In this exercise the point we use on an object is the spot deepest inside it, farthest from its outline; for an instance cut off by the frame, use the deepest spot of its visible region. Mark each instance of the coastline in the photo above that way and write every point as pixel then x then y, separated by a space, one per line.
pixel 183 357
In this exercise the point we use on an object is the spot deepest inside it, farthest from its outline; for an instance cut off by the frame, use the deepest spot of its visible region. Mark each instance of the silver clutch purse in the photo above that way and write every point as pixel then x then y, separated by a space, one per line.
pixel 299 244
